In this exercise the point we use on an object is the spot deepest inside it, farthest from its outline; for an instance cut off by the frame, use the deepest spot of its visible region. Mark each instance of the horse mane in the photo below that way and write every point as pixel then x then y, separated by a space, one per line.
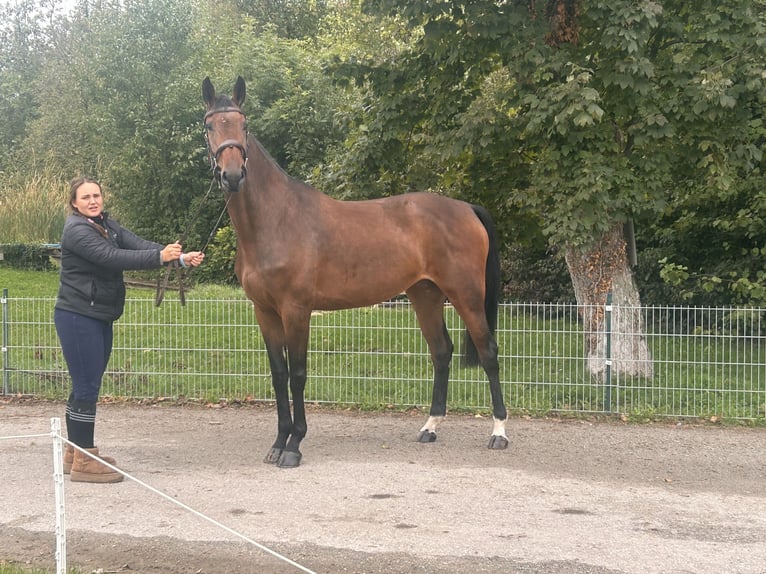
pixel 299 184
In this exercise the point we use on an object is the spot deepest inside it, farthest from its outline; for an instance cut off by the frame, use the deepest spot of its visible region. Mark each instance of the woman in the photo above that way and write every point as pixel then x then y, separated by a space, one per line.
pixel 95 250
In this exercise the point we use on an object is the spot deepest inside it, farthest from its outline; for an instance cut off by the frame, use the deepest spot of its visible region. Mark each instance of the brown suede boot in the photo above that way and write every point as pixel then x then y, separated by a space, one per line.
pixel 69 458
pixel 87 469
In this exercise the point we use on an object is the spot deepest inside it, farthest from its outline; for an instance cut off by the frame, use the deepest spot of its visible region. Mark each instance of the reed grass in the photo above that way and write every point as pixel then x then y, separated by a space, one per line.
pixel 32 208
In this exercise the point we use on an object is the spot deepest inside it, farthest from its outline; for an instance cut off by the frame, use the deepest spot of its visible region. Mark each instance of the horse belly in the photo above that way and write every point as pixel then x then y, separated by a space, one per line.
pixel 364 280
pixel 349 296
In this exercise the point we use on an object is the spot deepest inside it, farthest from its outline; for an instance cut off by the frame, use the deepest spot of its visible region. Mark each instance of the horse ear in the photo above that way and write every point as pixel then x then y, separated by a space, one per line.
pixel 239 92
pixel 208 92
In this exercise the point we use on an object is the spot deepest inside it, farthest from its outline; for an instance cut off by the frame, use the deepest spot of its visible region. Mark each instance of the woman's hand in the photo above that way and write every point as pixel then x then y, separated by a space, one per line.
pixel 171 252
pixel 193 258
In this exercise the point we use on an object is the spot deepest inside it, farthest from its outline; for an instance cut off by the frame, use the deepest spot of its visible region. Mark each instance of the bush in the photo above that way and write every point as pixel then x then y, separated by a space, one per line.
pixel 219 259
pixel 536 274
pixel 33 257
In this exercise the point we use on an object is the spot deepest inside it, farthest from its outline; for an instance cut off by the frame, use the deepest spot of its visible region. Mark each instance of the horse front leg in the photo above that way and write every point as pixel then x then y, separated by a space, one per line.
pixel 297 337
pixel 273 334
pixel 291 455
pixel 279 378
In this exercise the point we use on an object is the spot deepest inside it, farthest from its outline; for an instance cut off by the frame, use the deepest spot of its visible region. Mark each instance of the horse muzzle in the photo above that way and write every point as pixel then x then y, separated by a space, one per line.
pixel 231 179
pixel 232 171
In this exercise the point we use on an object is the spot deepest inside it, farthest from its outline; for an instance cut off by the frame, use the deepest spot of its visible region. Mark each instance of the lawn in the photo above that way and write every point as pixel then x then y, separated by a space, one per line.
pixel 211 350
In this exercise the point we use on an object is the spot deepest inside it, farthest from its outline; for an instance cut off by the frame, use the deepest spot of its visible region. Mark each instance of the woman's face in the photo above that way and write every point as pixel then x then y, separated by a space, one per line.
pixel 89 201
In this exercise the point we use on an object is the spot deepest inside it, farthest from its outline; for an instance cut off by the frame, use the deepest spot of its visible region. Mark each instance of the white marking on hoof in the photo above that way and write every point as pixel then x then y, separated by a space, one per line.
pixel 431 424
pixel 499 428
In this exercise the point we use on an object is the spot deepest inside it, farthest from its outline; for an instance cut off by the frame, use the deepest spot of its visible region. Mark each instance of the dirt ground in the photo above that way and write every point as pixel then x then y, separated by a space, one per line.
pixel 568 496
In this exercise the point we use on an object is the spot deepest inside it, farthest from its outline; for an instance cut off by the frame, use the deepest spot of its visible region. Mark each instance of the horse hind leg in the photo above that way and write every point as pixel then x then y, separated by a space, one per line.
pixel 486 347
pixel 499 439
pixel 428 303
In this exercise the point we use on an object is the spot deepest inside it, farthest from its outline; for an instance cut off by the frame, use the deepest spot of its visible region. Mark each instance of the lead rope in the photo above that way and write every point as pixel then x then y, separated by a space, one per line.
pixel 164 278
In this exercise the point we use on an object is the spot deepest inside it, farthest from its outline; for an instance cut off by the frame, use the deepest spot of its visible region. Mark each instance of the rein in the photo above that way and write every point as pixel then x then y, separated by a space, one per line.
pixel 164 278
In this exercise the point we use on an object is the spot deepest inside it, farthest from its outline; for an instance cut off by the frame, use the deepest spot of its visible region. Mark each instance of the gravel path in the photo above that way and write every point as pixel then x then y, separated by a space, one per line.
pixel 566 497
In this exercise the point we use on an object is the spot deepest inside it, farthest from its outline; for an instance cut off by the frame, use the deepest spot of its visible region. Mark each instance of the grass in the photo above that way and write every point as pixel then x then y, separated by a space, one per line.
pixel 375 358
pixel 30 283
pixel 12 568
pixel 32 208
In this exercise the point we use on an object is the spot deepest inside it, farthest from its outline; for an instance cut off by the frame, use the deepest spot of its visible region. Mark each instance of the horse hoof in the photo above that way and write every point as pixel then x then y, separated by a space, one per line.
pixel 289 459
pixel 497 442
pixel 427 436
pixel 273 456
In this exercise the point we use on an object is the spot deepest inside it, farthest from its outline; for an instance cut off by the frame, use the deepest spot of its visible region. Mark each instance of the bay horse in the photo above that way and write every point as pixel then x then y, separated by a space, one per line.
pixel 299 250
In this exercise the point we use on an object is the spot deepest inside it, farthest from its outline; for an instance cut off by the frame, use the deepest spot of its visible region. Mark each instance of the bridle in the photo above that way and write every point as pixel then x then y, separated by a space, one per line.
pixel 214 156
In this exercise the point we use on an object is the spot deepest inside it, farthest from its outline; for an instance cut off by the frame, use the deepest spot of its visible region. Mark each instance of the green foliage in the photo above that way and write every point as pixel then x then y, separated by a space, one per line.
pixel 118 98
pixel 717 239
pixel 219 259
pixel 25 33
pixel 599 118
pixel 580 121
pixel 109 107
pixel 648 110
pixel 35 257
pixel 536 274
pixel 291 19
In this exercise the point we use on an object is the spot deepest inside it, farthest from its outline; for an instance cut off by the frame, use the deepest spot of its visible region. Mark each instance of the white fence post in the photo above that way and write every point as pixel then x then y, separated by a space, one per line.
pixel 58 483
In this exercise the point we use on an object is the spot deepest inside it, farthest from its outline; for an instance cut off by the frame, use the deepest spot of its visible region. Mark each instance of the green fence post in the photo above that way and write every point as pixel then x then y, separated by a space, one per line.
pixel 4 302
pixel 608 361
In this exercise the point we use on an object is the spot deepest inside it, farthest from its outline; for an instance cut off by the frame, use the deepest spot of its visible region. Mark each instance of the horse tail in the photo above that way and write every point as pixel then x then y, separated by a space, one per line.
pixel 492 284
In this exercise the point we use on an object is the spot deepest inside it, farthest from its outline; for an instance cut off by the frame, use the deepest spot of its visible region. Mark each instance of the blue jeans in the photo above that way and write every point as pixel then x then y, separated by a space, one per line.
pixel 87 346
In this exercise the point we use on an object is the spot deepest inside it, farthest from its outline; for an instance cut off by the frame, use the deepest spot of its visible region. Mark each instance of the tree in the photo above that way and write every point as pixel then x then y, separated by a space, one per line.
pixel 290 19
pixel 26 34
pixel 113 105
pixel 111 89
pixel 589 112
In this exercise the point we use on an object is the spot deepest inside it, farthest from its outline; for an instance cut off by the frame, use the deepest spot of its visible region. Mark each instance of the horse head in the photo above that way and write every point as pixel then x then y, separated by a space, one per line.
pixel 226 134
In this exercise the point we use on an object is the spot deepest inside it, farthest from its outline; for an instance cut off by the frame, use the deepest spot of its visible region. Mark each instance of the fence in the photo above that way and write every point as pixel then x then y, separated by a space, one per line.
pixel 705 362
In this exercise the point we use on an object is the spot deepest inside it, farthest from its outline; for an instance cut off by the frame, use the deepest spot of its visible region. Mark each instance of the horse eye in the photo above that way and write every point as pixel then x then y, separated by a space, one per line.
pixel 209 127
pixel 245 126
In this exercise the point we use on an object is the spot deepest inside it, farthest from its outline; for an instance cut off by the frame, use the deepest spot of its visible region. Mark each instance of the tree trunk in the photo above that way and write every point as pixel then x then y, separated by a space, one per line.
pixel 598 269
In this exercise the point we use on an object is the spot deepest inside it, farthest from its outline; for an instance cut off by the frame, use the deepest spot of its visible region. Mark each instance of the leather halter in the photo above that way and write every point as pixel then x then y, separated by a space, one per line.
pixel 215 155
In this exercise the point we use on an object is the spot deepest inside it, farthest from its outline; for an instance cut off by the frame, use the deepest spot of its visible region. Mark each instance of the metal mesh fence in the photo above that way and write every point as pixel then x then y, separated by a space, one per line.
pixel 702 362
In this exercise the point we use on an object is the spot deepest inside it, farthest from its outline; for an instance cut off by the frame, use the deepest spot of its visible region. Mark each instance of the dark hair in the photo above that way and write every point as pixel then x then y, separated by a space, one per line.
pixel 74 185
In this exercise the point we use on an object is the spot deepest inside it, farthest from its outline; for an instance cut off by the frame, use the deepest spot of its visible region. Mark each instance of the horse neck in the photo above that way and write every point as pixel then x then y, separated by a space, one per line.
pixel 256 205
